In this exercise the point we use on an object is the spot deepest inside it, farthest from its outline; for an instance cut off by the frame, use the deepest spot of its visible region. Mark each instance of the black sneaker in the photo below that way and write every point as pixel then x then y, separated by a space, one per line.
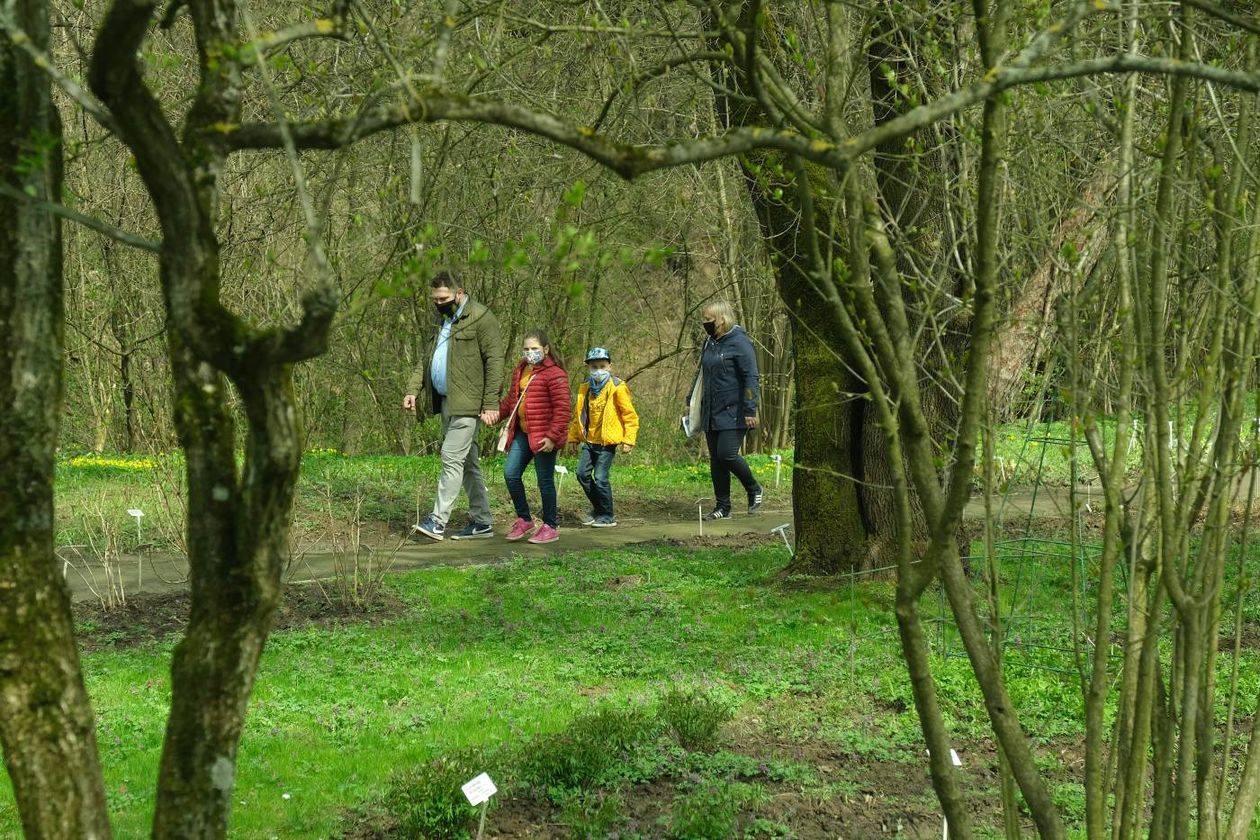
pixel 474 531
pixel 719 514
pixel 755 500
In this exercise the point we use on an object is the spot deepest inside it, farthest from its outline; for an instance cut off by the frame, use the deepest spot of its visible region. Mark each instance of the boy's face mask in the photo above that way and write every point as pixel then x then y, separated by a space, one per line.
pixel 600 375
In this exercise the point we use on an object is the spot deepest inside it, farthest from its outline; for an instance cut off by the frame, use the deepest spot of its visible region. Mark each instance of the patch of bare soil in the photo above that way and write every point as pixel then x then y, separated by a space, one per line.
pixel 1250 639
pixel 855 797
pixel 154 617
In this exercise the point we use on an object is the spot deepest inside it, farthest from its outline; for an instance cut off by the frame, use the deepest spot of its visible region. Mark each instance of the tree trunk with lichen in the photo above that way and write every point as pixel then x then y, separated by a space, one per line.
pixel 46 722
pixel 833 534
pixel 837 529
pixel 237 520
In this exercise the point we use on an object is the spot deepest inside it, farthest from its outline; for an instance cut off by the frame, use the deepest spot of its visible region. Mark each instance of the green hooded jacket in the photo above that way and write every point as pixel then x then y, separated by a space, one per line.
pixel 474 366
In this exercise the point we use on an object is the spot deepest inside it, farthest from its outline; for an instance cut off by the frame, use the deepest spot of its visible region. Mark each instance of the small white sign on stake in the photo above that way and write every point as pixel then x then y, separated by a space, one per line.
pixel 957 762
pixel 782 532
pixel 138 514
pixel 479 789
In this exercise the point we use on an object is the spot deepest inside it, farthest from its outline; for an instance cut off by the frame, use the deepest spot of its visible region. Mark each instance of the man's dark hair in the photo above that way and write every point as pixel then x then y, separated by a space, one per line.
pixel 445 280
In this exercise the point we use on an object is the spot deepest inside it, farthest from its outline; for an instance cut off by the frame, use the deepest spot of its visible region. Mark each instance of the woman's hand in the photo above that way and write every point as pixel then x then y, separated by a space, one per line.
pixel 750 422
pixel 490 417
pixel 546 445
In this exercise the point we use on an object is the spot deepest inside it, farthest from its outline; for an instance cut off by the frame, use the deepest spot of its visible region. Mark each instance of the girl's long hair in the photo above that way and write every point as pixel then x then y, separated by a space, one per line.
pixel 540 335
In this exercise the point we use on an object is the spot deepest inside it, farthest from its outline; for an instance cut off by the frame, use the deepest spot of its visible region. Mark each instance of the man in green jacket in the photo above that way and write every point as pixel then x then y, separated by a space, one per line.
pixel 459 379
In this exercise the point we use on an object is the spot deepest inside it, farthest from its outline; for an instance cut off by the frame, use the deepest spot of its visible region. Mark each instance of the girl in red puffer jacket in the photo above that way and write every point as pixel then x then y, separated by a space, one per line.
pixel 536 410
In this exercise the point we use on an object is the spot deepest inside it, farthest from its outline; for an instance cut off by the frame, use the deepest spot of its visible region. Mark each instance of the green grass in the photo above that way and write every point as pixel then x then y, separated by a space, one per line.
pixel 91 487
pixel 388 485
pixel 492 659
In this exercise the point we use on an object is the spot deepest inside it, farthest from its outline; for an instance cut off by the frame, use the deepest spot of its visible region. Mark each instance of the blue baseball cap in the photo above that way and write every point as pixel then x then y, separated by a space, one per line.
pixel 597 354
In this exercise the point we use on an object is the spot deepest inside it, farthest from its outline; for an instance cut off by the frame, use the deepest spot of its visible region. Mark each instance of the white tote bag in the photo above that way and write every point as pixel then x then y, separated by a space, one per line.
pixel 691 421
pixel 503 435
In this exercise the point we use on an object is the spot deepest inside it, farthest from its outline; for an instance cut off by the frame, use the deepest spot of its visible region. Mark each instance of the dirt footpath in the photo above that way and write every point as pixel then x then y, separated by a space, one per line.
pixel 166 573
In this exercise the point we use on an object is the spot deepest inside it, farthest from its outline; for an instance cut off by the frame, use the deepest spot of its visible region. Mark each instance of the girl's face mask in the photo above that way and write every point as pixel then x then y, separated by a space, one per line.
pixel 533 357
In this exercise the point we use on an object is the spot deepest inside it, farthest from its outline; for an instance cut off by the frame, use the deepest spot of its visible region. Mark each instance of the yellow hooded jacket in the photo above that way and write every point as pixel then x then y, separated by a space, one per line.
pixel 609 420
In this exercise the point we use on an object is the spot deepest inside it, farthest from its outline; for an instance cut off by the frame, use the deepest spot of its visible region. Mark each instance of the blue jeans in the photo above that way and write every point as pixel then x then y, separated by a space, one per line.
pixel 592 473
pixel 518 458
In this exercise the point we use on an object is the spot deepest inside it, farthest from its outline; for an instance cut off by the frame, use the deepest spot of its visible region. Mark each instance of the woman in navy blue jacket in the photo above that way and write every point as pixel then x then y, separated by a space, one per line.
pixel 728 407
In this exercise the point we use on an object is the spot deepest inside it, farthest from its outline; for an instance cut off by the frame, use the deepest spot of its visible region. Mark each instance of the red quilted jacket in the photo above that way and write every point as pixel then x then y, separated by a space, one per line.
pixel 547 404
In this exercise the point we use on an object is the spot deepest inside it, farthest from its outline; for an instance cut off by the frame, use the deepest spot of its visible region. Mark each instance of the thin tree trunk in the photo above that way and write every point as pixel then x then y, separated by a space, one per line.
pixel 237 525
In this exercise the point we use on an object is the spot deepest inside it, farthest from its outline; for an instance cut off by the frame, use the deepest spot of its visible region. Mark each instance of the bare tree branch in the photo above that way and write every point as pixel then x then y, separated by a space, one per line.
pixel 102 227
pixel 629 161
pixel 267 42
pixel 71 87
pixel 655 73
pixel 1218 11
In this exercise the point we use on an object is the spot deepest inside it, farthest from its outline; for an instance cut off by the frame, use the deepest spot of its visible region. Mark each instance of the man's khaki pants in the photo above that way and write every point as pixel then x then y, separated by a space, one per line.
pixel 461 467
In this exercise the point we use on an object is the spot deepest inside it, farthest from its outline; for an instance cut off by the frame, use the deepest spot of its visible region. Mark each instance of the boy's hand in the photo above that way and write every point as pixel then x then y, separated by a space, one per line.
pixel 627 448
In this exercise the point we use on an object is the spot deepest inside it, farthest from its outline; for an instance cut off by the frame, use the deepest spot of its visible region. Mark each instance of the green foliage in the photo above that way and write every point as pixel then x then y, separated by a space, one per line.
pixel 583 754
pixel 564 653
pixel 693 718
pixel 426 801
pixel 593 814
pixel 710 811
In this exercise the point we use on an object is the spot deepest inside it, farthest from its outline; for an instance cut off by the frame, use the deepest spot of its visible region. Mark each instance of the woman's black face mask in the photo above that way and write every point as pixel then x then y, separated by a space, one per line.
pixel 710 327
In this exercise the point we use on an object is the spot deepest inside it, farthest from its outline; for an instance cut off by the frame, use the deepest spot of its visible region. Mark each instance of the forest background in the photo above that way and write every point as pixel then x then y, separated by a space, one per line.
pixel 1081 243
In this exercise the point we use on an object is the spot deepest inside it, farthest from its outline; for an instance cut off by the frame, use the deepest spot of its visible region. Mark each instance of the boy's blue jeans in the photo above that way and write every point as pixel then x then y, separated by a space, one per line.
pixel 594 464
pixel 518 458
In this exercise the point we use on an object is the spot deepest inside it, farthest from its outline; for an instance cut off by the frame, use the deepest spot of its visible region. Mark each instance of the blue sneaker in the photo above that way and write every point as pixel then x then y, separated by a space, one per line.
pixel 474 531
pixel 588 518
pixel 604 522
pixel 430 528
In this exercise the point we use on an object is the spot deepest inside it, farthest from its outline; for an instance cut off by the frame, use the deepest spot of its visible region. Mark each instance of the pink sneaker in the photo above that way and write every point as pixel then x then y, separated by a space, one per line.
pixel 522 528
pixel 546 534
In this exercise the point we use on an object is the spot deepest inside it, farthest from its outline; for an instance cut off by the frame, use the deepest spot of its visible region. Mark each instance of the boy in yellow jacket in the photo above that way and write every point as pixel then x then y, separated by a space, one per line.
pixel 603 419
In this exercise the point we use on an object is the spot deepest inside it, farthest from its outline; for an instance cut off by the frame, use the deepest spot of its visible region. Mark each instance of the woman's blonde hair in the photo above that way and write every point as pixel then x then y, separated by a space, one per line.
pixel 723 315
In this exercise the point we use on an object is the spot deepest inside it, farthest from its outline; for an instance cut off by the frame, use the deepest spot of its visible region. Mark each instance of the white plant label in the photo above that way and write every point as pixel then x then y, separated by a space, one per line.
pixel 953 756
pixel 136 512
pixel 479 789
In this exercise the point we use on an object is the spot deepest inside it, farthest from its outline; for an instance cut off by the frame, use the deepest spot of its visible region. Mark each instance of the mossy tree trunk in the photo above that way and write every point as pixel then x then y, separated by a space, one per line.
pixel 837 529
pixel 46 722
pixel 237 522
